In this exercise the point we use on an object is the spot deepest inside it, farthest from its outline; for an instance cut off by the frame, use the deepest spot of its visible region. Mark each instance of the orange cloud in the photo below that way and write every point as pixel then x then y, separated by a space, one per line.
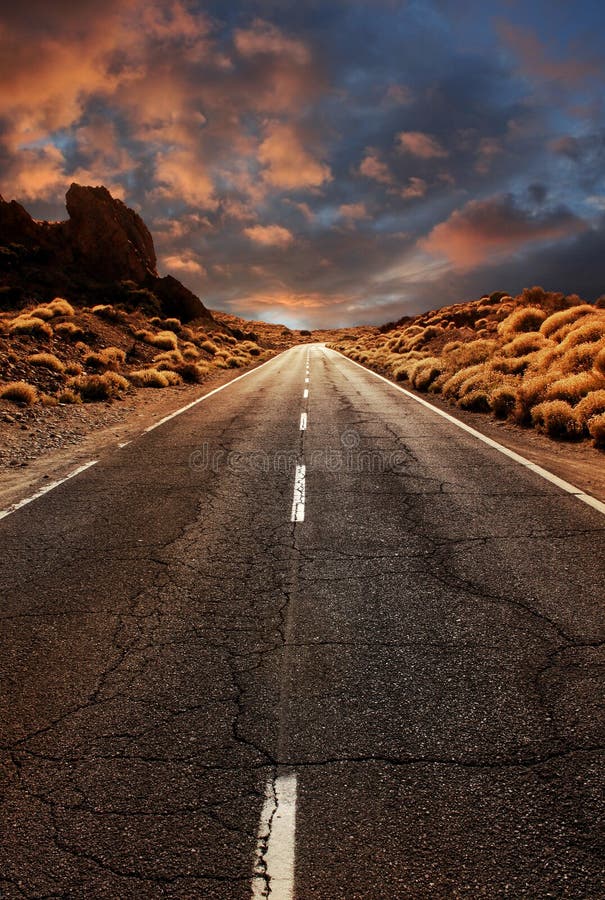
pixel 183 263
pixel 269 235
pixel 420 144
pixel 489 148
pixel 180 175
pixel 373 167
pixel 288 164
pixel 353 212
pixel 264 38
pixel 37 174
pixel 487 228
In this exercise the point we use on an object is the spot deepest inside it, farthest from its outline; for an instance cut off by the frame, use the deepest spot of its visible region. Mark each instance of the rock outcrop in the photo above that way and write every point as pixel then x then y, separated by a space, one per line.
pixel 106 236
pixel 104 242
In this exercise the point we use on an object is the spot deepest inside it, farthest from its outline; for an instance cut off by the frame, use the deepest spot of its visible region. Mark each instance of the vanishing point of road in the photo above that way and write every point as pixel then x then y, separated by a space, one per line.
pixel 305 640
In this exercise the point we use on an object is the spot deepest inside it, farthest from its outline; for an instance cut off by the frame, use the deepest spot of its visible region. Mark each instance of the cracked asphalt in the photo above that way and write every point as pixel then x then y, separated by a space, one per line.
pixel 425 651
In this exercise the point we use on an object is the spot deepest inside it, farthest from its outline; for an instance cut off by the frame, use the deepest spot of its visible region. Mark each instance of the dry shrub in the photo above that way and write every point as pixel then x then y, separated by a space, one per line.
pixel 559 320
pixel 193 373
pixel 470 354
pixel 209 346
pixel 572 388
pixel 169 359
pixel 154 378
pixel 514 365
pixel 556 418
pixel 107 311
pixel 48 400
pixel 108 358
pixel 528 318
pixel 530 392
pixel 73 368
pixel 190 351
pixel 463 381
pixel 592 404
pixel 46 361
pixel 475 400
pixel 502 400
pixel 172 324
pixel 599 362
pixel 43 311
pixel 522 344
pixel 69 331
pixel 165 340
pixel 19 392
pixel 98 387
pixel 61 307
pixel 580 358
pixel 68 396
pixel 588 331
pixel 596 429
pixel 31 325
pixel 424 372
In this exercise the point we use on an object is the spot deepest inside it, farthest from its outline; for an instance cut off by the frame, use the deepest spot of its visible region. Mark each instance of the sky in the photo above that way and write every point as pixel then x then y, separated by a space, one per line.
pixel 322 162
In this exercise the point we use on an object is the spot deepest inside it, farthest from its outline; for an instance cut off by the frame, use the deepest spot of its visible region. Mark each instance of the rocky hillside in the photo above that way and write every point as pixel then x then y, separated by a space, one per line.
pixel 537 359
pixel 103 253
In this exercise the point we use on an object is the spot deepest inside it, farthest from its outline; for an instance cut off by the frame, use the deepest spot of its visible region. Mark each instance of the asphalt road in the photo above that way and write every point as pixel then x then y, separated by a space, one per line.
pixel 399 694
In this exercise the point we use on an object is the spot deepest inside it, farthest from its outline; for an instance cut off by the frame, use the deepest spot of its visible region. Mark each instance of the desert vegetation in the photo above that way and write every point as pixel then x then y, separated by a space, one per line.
pixel 537 360
pixel 60 353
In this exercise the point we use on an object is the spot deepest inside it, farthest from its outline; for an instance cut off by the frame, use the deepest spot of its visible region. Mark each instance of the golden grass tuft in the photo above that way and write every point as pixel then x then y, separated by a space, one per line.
pixel 69 331
pixel 502 400
pixel 599 362
pixel 593 404
pixel 556 419
pixel 107 311
pixel 528 318
pixel 165 340
pixel 46 361
pixel 98 387
pixel 153 378
pixel 67 396
pixel 572 388
pixel 558 320
pixel 73 368
pixel 108 358
pixel 19 392
pixel 596 429
pixel 27 324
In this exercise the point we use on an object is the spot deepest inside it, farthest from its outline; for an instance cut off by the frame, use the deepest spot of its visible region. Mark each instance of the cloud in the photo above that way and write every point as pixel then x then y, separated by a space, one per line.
pixel 484 229
pixel 180 175
pixel 269 235
pixel 185 263
pixel 373 167
pixel 353 212
pixel 288 165
pixel 264 38
pixel 416 187
pixel 37 173
pixel 419 144
pixel 489 149
pixel 536 62
pixel 398 95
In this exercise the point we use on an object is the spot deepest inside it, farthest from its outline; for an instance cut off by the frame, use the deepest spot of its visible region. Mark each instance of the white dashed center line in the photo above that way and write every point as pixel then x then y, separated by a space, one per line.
pixel 303 421
pixel 275 844
pixel 305 393
pixel 298 502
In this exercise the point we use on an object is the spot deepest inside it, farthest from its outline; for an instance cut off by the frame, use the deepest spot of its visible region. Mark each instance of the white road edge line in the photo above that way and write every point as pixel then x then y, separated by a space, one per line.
pixel 305 393
pixel 273 873
pixel 533 467
pixel 298 502
pixel 211 393
pixel 46 489
pixel 303 421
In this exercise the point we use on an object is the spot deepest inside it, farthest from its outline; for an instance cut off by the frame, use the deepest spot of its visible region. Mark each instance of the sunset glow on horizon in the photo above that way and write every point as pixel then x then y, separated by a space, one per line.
pixel 322 163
